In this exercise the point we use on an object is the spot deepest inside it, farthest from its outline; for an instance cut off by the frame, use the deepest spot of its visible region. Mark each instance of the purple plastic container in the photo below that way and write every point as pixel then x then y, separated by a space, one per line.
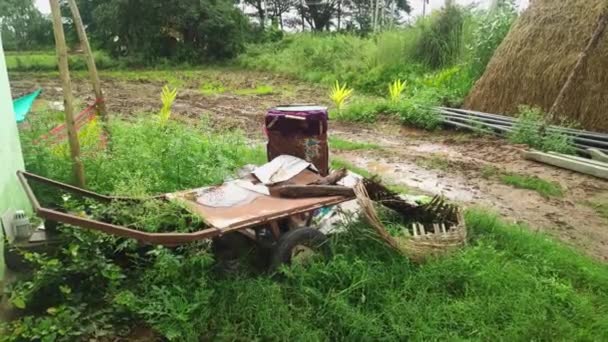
pixel 301 131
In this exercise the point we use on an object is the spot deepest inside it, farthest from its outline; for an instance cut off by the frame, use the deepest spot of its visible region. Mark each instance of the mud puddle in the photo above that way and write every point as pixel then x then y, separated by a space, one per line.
pixel 413 176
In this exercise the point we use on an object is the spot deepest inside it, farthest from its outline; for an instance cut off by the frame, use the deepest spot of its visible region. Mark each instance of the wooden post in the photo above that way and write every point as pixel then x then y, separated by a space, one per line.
pixel 64 72
pixel 88 53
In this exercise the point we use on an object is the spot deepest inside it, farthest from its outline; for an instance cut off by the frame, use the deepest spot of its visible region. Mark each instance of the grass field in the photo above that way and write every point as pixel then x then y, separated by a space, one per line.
pixel 508 283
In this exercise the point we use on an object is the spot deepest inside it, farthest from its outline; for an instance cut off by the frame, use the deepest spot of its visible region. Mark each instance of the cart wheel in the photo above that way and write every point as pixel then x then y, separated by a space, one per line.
pixel 14 261
pixel 300 246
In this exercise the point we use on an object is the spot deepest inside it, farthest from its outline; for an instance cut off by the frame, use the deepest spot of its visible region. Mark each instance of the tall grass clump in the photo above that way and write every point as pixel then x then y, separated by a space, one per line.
pixel 440 42
pixel 489 32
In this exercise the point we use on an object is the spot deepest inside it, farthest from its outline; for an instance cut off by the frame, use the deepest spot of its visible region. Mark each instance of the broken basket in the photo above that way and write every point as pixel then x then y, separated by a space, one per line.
pixel 438 227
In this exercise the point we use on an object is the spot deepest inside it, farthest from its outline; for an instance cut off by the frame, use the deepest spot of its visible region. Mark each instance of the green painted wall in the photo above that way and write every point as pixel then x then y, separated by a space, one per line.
pixel 11 159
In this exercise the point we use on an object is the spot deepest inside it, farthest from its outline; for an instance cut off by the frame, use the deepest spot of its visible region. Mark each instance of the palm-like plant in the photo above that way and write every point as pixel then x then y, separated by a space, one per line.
pixel 167 97
pixel 339 94
pixel 395 90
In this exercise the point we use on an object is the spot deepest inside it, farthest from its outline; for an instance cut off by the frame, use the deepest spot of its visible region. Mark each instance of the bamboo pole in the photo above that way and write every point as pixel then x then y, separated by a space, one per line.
pixel 581 61
pixel 88 53
pixel 64 72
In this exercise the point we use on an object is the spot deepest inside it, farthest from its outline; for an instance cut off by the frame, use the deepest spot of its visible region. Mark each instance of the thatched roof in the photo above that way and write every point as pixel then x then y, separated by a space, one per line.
pixel 534 61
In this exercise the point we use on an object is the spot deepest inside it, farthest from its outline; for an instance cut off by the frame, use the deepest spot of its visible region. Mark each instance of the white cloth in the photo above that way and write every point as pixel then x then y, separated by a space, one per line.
pixel 281 168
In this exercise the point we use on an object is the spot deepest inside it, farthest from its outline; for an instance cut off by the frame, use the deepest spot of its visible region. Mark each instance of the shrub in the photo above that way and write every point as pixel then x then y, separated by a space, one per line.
pixel 531 129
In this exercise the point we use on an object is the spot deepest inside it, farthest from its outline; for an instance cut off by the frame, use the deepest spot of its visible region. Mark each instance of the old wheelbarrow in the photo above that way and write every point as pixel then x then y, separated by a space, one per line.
pixel 280 225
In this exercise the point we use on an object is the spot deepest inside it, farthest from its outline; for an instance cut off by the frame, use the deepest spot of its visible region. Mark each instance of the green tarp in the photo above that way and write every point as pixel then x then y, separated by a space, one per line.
pixel 22 105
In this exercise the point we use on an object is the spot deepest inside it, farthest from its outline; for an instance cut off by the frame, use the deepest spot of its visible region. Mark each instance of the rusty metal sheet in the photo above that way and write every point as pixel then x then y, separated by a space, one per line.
pixel 261 209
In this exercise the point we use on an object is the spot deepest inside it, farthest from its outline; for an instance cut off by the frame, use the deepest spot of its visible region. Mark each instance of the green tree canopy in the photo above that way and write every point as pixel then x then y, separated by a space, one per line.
pixel 23 27
pixel 192 30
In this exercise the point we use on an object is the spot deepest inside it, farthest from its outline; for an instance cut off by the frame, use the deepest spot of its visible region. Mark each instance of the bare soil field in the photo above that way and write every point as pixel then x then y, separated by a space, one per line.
pixel 465 168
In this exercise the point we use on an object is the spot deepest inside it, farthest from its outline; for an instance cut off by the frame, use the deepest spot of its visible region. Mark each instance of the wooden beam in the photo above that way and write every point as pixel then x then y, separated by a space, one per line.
pixel 567 163
pixel 304 191
pixel 90 59
pixel 64 72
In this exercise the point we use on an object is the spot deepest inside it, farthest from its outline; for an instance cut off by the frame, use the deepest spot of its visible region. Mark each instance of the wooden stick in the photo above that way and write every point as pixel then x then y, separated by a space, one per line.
pixel 90 59
pixel 64 72
pixel 303 191
pixel 333 178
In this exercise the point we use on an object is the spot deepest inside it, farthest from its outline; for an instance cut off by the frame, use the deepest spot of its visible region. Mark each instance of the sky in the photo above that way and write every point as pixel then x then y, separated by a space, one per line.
pixel 43 5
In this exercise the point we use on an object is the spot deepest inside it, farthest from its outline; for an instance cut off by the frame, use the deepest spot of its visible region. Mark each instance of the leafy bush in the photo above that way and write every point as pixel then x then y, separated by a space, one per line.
pixel 531 129
pixel 415 110
pixel 145 156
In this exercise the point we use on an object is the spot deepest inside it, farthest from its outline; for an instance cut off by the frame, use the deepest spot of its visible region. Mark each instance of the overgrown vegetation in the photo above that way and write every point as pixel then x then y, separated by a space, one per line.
pixel 531 129
pixel 438 57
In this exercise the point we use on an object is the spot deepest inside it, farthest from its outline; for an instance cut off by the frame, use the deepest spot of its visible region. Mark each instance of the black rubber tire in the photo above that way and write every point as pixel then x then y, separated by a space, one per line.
pixel 309 237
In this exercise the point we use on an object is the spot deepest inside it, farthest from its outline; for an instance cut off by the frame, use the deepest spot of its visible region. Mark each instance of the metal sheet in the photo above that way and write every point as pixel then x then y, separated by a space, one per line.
pixel 262 209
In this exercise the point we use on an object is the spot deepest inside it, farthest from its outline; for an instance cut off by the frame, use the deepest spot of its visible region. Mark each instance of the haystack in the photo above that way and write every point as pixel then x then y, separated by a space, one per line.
pixel 536 58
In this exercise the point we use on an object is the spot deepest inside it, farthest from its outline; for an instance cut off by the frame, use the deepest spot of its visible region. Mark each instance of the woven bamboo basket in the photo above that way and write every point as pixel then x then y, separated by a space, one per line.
pixel 445 232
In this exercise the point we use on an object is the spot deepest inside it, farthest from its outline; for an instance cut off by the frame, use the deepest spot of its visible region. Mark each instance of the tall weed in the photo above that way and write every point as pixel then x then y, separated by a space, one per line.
pixel 531 129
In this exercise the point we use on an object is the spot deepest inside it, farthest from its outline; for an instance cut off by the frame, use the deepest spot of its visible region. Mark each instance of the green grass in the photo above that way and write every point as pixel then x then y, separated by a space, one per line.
pixel 507 284
pixel 600 205
pixel 261 90
pixel 348 145
pixel 434 161
pixel 211 88
pixel 47 61
pixel 338 163
pixel 543 187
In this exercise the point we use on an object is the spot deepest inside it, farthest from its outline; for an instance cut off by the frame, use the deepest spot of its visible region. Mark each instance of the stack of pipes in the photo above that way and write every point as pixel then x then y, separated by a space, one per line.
pixel 503 125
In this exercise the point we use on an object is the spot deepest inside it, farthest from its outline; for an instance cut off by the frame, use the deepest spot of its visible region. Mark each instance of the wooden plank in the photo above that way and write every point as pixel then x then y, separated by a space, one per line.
pixel 305 191
pixel 566 163
pixel 596 154
pixel 66 83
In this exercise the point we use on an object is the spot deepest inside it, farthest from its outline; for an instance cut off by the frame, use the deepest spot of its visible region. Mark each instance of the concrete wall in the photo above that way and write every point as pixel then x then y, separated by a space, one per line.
pixel 11 159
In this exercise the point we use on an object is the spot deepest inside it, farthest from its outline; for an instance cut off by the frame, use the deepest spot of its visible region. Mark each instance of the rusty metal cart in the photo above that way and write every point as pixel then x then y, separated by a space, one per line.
pixel 265 220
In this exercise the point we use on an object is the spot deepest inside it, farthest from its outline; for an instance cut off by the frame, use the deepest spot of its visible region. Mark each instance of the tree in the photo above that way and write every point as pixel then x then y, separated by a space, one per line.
pixel 186 30
pixel 279 7
pixel 366 18
pixel 23 26
pixel 260 7
pixel 318 13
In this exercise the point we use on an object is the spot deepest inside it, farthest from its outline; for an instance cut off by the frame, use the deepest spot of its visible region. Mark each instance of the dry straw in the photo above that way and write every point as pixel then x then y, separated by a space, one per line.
pixel 421 244
pixel 535 59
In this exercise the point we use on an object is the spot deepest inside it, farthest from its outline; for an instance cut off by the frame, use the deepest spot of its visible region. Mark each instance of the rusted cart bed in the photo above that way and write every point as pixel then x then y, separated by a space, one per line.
pixel 261 212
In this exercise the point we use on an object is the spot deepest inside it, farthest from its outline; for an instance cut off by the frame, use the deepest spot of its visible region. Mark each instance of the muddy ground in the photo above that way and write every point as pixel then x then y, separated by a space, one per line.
pixel 461 166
